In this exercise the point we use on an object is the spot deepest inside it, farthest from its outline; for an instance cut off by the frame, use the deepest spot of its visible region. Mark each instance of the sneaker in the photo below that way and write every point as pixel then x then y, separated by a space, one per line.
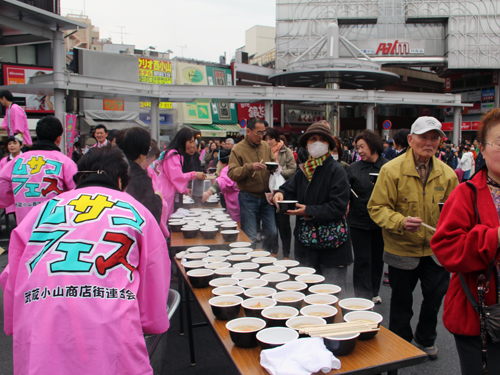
pixel 431 351
pixel 386 282
pixel 377 300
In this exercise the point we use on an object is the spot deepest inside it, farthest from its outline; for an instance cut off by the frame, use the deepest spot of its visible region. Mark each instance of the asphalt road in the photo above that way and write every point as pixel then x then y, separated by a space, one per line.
pixel 210 359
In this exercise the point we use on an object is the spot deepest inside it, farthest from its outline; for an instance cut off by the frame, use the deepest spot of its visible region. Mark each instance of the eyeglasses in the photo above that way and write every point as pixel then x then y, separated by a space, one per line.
pixel 495 145
pixel 260 134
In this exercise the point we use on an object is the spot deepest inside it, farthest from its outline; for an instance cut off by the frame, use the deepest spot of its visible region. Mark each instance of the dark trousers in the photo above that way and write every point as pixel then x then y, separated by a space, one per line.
pixel 285 231
pixel 434 281
pixel 368 248
pixel 471 361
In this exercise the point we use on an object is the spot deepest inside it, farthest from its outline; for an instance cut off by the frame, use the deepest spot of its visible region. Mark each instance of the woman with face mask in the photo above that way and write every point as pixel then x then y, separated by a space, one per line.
pixel 338 153
pixel 367 241
pixel 322 191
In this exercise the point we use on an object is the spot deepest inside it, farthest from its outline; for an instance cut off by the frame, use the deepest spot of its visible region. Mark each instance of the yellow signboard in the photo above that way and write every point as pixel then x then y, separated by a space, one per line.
pixel 155 71
pixel 162 105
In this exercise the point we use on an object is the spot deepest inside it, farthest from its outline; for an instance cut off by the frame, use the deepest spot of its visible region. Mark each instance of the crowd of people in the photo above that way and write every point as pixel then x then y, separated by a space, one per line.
pixel 92 236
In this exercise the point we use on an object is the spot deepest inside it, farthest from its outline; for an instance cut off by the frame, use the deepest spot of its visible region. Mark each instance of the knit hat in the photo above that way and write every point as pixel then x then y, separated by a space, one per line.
pixel 318 129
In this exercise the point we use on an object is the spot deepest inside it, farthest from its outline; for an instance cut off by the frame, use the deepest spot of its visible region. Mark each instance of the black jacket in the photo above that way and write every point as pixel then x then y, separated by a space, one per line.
pixel 326 198
pixel 140 187
pixel 358 175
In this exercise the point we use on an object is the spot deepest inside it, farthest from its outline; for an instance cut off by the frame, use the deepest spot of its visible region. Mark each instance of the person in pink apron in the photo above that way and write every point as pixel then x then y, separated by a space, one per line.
pixel 38 175
pixel 228 187
pixel 172 178
pixel 15 120
pixel 88 274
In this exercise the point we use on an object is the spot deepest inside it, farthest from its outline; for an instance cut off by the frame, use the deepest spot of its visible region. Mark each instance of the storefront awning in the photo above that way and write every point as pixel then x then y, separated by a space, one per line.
pixel 230 129
pixel 208 130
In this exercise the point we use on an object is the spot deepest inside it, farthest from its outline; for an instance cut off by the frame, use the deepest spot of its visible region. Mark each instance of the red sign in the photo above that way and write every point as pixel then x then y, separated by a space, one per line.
pixel 113 105
pixel 393 48
pixel 466 125
pixel 447 126
pixel 246 111
pixel 475 125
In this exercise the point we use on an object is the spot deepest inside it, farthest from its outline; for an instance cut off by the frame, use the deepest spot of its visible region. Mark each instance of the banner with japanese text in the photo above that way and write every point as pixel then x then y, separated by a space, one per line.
pixel 155 72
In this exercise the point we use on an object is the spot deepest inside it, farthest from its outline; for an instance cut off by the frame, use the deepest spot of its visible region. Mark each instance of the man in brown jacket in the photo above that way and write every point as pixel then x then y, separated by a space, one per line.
pixel 247 169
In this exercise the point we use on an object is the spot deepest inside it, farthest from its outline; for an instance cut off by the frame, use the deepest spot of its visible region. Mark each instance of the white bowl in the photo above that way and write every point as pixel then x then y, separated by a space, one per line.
pixel 240 244
pixel 241 250
pixel 298 271
pixel 272 269
pixel 325 289
pixel 276 336
pixel 291 286
pixel 356 304
pixel 310 279
pixel 321 299
pixel 246 266
pixel 218 253
pixel 195 256
pixel 252 283
pixel 228 291
pixel 260 292
pixel 264 260
pixel 286 263
pixel 246 275
pixel 217 265
pixel 198 249
pixel 225 272
pixel 299 321
pixel 259 254
pixel 326 312
pixel 214 259
pixel 223 281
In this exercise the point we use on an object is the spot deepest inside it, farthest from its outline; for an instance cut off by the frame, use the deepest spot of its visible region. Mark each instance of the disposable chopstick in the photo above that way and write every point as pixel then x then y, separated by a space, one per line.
pixel 338 327
pixel 333 326
pixel 256 171
pixel 345 333
pixel 356 195
pixel 428 226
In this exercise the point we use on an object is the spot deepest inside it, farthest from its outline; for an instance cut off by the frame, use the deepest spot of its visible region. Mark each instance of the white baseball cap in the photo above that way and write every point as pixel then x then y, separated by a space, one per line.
pixel 425 124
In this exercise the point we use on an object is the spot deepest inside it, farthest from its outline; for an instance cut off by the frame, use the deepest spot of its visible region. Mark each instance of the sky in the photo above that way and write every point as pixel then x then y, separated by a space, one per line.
pixel 205 28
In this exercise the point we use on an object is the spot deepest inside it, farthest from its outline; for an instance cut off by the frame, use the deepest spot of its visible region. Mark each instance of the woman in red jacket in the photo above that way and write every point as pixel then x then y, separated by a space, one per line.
pixel 463 245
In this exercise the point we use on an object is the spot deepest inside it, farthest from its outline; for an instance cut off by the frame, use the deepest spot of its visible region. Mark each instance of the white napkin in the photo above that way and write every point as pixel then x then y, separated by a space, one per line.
pixel 300 357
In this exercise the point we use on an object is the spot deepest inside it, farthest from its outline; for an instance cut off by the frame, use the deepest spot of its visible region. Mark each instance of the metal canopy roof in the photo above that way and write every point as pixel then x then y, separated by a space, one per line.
pixel 21 23
pixel 99 88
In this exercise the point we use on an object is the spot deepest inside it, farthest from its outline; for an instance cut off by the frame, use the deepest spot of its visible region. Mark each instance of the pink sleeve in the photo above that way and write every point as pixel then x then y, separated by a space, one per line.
pixel 4 122
pixel 7 195
pixel 173 171
pixel 155 283
pixel 69 170
pixel 19 118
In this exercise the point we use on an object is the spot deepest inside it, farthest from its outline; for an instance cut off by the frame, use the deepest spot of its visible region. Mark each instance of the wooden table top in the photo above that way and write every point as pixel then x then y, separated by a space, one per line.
pixel 385 352
pixel 179 243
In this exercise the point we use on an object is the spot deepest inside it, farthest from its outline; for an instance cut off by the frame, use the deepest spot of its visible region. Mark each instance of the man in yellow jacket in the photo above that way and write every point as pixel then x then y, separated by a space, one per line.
pixel 406 195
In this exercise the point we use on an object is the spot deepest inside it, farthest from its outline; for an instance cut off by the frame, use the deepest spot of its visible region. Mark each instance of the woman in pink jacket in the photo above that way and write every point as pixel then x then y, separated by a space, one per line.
pixel 228 187
pixel 89 273
pixel 172 178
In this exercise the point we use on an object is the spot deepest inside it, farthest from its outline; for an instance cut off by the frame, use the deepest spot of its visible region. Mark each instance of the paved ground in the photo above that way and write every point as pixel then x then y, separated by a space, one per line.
pixel 210 359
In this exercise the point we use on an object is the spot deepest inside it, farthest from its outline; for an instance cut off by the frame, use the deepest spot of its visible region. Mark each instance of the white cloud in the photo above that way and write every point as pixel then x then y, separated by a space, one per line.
pixel 208 28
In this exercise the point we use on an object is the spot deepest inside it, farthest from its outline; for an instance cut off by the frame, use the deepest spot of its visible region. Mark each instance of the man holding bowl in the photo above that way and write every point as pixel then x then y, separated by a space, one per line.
pixel 404 203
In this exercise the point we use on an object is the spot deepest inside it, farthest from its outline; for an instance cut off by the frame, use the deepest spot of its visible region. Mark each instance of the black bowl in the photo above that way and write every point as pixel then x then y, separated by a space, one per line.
pixel 199 278
pixel 275 321
pixel 245 339
pixel 272 166
pixel 252 310
pixel 212 170
pixel 209 234
pixel 373 177
pixel 440 206
pixel 230 235
pixel 190 232
pixel 284 206
pixel 226 312
pixel 342 344
pixel 176 227
pixel 276 336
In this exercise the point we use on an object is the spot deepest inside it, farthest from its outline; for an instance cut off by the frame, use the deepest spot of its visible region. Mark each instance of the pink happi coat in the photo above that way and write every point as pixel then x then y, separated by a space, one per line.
pixel 34 177
pixel 164 211
pixel 88 273
pixel 172 178
pixel 12 207
pixel 18 123
pixel 230 191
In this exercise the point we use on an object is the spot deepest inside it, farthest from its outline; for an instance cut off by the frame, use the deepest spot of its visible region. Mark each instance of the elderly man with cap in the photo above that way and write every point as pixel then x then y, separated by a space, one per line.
pixel 322 191
pixel 405 198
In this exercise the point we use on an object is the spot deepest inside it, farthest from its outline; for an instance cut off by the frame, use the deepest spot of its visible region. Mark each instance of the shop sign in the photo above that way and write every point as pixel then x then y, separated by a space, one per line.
pixel 303 116
pixel 191 74
pixel 161 105
pixel 156 72
pixel 20 75
pixel 113 105
pixel 488 94
pixel 258 109
pixel 475 125
pixel 466 125
pixel 474 96
pixel 165 118
pixel 486 107
pixel 394 47
pixel 475 109
pixel 222 113
pixel 447 126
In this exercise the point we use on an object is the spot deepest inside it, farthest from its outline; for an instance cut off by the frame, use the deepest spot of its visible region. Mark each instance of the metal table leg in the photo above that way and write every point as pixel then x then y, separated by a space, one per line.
pixel 181 305
pixel 187 298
